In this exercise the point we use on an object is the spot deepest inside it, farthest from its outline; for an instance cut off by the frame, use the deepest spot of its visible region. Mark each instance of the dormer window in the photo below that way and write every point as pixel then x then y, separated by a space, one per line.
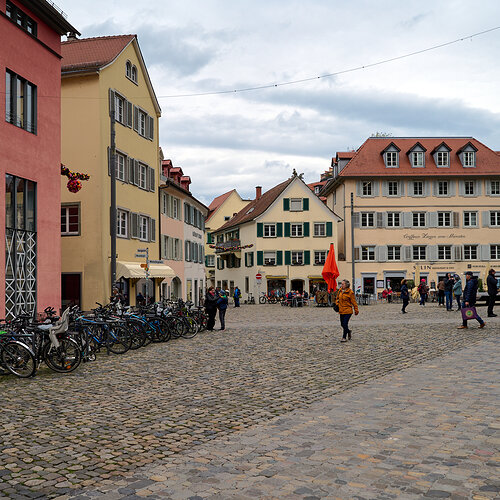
pixel 467 155
pixel 469 159
pixel 442 159
pixel 417 159
pixel 391 156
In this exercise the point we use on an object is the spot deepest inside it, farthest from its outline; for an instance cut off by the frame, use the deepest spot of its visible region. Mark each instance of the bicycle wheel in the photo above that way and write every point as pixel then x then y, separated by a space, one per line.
pixel 63 359
pixel 163 330
pixel 118 340
pixel 262 299
pixel 18 359
pixel 191 328
pixel 137 334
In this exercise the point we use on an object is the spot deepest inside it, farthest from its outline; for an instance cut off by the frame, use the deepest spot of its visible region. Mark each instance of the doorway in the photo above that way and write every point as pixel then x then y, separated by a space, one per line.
pixel 71 290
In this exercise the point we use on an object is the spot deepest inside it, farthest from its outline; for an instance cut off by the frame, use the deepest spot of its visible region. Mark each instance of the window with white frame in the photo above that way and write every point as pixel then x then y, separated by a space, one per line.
pixel 393 252
pixel 391 159
pixel 142 123
pixel 418 188
pixel 121 161
pixel 470 252
pixel 143 179
pixel 442 188
pixel 393 219
pixel 70 220
pixel 367 188
pixel 269 258
pixel 495 187
pixel 444 252
pixel 442 158
pixel 469 159
pixel 367 253
pixel 210 260
pixel 469 188
pixel 269 230
pixel 122 223
pixel 418 219
pixel 494 252
pixel 444 219
pixel 419 252
pixel 495 218
pixel 317 189
pixel 134 74
pixel 470 219
pixel 297 258
pixel 128 69
pixel 393 188
pixel 319 257
pixel 143 228
pixel 296 230
pixel 296 204
pixel 175 208
pixel 319 229
pixel 119 108
pixel 417 159
pixel 367 219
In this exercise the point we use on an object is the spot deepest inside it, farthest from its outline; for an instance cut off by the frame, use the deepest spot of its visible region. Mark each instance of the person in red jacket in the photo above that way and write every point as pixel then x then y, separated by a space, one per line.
pixel 346 302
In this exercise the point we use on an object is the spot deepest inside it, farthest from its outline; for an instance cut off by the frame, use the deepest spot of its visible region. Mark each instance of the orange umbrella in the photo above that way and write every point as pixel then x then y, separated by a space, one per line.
pixel 330 271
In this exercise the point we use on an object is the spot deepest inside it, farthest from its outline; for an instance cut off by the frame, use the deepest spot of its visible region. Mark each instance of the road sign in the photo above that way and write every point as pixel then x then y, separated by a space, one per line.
pixel 143 250
pixel 140 256
pixel 258 276
pixel 144 266
pixel 155 261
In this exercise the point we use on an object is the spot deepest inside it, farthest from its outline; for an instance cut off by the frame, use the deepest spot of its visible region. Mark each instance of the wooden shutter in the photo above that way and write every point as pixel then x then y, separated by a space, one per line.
pixel 134 225
pixel 152 174
pixel 329 229
pixel 136 118
pixel 485 253
pixel 186 251
pixel 380 219
pixel 129 109
pixel 381 253
pixel 147 125
pixel 375 187
pixel 401 188
pixel 260 230
pixel 287 229
pixel 478 188
pixel 136 172
pixel 286 204
pixel 431 219
pixel 260 258
pixel 485 215
pixel 359 188
pixel 152 229
pixel 163 245
pixel 288 257
pixel 407 219
pixel 431 252
pixel 131 172
pixel 307 257
pixel 488 187
pixel 305 230
pixel 279 257
pixel 151 127
pixel 356 253
pixel 111 94
pixel 355 219
pixel 457 252
pixel 461 188
pixel 109 160
pixel 305 204
pixel 451 188
pixel 279 229
pixel 180 250
pixel 407 253
pixel 456 219
pixel 385 188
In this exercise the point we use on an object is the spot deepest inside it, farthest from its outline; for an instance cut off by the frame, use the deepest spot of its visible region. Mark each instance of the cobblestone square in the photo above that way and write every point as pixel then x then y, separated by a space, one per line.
pixel 273 407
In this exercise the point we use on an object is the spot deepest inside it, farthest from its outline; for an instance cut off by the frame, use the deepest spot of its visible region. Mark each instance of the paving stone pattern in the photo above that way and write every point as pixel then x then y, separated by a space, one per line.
pixel 90 430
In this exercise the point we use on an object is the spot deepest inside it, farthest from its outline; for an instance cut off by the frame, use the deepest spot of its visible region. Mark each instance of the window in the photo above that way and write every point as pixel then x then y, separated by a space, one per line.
pixel 70 220
pixel 393 219
pixel 419 252
pixel 20 102
pixel 444 252
pixel 367 188
pixel 418 219
pixel 392 187
pixel 128 69
pixel 494 252
pixel 442 158
pixel 368 253
pixel 495 187
pixel 317 189
pixel 442 188
pixel 319 229
pixel 175 208
pixel 269 230
pixel 393 252
pixel 297 258
pixel 143 228
pixel 296 205
pixel 367 219
pixel 469 188
pixel 269 258
pixel 296 230
pixel 249 259
pixel 391 159
pixel 120 166
pixel 418 188
pixel 494 218
pixel 142 123
pixel 134 74
pixel 143 171
pixel 470 252
pixel 119 109
pixel 122 223
pixel 319 257
pixel 17 16
pixel 417 159
pixel 444 219
pixel 469 159
pixel 470 219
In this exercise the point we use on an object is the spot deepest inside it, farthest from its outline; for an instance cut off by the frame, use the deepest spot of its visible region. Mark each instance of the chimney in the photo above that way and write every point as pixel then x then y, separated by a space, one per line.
pixel 71 36
pixel 258 192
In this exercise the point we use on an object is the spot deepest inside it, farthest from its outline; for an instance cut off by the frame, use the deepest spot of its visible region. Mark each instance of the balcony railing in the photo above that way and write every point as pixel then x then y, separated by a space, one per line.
pixel 228 246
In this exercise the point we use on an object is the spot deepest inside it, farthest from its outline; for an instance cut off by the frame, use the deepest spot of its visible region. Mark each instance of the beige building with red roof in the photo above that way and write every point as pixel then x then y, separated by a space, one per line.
pixel 423 206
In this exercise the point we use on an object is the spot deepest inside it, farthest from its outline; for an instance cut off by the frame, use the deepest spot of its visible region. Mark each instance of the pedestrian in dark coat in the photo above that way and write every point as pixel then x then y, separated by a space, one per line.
pixel 457 290
pixel 405 295
pixel 469 297
pixel 448 292
pixel 492 284
pixel 222 303
pixel 236 296
pixel 211 307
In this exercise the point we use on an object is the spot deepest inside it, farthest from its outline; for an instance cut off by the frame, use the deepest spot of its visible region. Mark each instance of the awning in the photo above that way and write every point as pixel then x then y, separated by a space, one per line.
pixel 276 277
pixel 134 270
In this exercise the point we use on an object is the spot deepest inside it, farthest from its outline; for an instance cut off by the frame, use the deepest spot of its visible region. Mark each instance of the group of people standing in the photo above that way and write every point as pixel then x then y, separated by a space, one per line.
pixel 216 299
pixel 448 288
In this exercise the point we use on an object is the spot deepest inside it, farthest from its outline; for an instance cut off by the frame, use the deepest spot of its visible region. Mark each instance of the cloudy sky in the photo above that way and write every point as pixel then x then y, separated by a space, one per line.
pixel 240 140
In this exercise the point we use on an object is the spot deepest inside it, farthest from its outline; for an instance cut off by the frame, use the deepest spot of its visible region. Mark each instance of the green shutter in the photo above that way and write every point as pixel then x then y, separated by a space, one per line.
pixel 260 230
pixel 246 259
pixel 287 229
pixel 305 204
pixel 306 229
pixel 260 258
pixel 286 204
pixel 307 257
pixel 279 258
pixel 328 228
pixel 206 260
pixel 209 238
pixel 279 229
pixel 288 257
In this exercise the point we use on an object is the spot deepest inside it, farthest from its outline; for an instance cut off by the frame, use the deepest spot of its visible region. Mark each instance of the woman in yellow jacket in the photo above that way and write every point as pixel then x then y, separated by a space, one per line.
pixel 346 302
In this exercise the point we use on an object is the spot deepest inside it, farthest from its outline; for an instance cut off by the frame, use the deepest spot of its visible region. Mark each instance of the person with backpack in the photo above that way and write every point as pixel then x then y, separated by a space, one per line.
pixel 346 302
pixel 422 290
pixel 222 304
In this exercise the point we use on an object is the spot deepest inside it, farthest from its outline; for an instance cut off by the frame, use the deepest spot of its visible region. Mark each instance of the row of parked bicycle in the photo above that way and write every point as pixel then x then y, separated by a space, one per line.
pixel 64 342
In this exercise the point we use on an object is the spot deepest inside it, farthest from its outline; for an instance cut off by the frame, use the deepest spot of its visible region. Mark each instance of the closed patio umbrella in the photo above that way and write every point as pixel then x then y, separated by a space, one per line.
pixel 330 271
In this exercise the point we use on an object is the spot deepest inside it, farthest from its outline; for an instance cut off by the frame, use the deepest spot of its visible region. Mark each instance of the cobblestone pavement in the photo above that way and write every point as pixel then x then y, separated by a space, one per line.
pixel 112 423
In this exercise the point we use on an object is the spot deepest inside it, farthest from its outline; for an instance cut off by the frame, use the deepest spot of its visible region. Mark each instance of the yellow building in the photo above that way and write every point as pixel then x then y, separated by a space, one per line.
pixel 220 211
pixel 277 242
pixel 422 207
pixel 97 75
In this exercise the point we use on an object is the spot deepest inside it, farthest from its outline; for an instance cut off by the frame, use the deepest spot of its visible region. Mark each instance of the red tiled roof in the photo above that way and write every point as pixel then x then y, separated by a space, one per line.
pixel 217 202
pixel 257 207
pixel 368 161
pixel 92 53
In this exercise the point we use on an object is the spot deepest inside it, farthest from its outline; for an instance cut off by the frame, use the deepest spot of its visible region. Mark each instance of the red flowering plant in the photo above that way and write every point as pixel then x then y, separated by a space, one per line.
pixel 74 183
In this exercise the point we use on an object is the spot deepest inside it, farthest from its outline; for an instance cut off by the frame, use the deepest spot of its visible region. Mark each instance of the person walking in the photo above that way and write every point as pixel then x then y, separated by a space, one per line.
pixel 469 300
pixel 346 302
pixel 236 297
pixel 448 292
pixel 211 307
pixel 457 290
pixel 440 290
pixel 422 290
pixel 222 304
pixel 491 281
pixel 405 295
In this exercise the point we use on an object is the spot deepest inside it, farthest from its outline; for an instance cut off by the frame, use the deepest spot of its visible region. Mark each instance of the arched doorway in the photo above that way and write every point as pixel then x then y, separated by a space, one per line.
pixel 176 288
